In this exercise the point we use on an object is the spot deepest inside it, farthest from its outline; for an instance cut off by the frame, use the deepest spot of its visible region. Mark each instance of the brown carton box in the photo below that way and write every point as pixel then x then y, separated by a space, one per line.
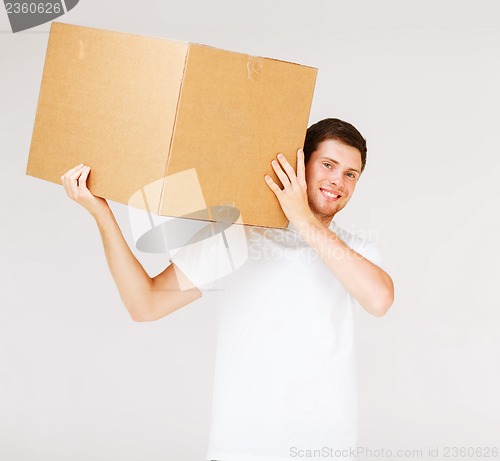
pixel 174 128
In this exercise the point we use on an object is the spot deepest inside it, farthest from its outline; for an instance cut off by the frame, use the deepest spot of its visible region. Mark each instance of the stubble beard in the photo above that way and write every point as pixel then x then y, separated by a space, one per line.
pixel 320 214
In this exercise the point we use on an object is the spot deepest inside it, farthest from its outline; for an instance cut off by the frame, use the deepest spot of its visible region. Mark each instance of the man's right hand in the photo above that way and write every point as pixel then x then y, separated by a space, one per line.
pixel 75 184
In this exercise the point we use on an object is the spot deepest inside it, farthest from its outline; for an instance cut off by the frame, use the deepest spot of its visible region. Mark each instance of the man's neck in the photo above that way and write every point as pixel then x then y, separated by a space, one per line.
pixel 323 219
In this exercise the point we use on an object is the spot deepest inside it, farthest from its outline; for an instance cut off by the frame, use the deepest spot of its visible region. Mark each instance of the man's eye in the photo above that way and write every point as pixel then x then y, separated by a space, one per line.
pixel 351 175
pixel 326 165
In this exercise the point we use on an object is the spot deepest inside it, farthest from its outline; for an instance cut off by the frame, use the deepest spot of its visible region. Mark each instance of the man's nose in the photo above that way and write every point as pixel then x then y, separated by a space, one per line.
pixel 337 178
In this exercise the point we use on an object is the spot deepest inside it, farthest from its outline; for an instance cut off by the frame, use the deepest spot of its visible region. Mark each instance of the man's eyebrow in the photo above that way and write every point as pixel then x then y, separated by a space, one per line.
pixel 337 163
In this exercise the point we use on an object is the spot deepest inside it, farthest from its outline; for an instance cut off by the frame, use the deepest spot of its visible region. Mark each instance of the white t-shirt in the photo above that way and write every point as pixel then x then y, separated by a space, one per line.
pixel 284 384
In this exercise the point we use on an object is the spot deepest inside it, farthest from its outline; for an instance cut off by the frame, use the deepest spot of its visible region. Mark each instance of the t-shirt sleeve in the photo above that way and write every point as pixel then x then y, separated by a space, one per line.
pixel 370 251
pixel 211 254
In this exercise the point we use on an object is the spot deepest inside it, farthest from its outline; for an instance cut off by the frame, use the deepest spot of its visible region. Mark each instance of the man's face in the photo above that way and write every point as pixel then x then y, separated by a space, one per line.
pixel 331 176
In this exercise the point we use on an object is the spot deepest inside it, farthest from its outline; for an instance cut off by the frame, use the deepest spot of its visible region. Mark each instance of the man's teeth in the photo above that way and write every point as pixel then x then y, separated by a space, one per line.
pixel 329 194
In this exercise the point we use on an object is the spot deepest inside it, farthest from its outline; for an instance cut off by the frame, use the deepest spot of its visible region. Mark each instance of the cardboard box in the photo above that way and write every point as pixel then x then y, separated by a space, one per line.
pixel 170 127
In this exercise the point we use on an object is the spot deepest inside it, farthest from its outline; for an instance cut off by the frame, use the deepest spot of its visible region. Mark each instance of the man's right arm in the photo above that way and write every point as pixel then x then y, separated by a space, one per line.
pixel 145 298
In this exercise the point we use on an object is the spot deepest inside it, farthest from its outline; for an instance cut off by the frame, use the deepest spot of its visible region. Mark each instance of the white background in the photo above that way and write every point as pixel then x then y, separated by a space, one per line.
pixel 79 380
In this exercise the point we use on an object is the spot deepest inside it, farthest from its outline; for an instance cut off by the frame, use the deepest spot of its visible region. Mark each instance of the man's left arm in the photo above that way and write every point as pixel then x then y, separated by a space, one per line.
pixel 370 285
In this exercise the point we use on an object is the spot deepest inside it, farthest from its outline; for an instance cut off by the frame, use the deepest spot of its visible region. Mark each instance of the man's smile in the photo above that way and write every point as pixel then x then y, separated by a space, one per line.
pixel 330 194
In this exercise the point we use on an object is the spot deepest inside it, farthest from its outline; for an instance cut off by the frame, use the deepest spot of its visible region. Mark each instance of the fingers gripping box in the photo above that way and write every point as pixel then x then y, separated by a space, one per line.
pixel 170 127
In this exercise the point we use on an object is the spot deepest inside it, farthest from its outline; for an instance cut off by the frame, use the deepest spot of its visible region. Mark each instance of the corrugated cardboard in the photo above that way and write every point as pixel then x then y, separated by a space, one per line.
pixel 175 128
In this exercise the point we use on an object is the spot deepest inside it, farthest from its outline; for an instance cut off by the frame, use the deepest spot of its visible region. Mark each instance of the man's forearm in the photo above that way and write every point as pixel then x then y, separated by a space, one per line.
pixel 369 284
pixel 133 282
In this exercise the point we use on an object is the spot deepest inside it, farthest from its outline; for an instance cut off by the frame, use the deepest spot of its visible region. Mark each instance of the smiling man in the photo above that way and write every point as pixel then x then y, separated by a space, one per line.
pixel 284 383
pixel 335 156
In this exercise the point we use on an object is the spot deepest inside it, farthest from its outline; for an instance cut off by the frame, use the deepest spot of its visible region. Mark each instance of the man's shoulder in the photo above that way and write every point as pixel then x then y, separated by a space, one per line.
pixel 349 238
pixel 360 242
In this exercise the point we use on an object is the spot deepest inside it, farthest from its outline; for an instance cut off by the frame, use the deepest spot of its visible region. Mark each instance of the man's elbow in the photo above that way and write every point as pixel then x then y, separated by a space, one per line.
pixel 139 318
pixel 148 315
pixel 139 313
pixel 382 303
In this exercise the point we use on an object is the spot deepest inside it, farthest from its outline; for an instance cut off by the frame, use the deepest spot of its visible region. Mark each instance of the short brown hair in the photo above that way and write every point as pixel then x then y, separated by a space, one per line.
pixel 333 128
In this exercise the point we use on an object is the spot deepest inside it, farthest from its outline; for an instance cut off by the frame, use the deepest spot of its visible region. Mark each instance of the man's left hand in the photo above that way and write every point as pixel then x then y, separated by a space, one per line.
pixel 293 196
